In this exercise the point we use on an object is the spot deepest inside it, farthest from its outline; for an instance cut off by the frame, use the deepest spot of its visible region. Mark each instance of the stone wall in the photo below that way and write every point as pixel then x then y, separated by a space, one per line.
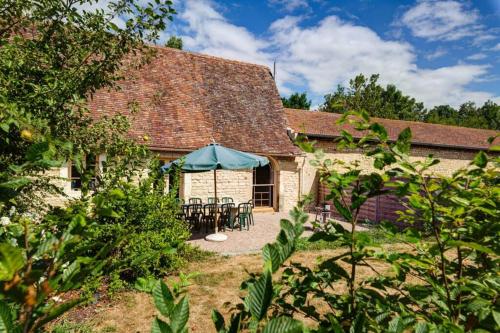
pixel 289 180
pixel 294 177
pixel 230 183
pixel 450 161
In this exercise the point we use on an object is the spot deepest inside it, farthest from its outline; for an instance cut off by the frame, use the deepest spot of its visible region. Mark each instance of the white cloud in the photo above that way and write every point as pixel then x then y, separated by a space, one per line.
pixel 436 54
pixel 496 47
pixel 441 20
pixel 477 56
pixel 331 52
pixel 290 5
pixel 209 32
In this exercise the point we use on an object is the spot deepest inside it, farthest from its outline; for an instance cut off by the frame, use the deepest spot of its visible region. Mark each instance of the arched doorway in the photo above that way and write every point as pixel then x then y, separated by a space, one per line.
pixel 263 186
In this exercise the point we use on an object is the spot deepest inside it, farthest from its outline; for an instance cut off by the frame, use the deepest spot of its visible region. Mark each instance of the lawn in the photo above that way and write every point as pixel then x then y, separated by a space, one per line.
pixel 217 283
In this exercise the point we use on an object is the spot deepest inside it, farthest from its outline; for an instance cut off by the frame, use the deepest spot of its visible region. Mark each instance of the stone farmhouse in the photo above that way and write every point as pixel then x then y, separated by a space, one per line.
pixel 186 100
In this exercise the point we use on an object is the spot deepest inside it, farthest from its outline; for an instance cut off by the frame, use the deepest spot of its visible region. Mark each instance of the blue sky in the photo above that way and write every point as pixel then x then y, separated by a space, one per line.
pixel 440 52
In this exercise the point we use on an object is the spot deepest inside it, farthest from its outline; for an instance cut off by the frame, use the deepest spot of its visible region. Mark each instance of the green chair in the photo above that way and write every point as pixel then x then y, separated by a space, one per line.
pixel 212 200
pixel 195 201
pixel 195 213
pixel 226 200
pixel 226 218
pixel 208 217
pixel 243 215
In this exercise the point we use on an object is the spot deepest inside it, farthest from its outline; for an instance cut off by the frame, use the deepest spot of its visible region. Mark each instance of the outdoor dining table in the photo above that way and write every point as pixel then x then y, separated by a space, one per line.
pixel 233 211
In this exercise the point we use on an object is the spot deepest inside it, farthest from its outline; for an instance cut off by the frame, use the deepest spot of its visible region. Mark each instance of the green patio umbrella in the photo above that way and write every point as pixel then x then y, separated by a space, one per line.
pixel 214 157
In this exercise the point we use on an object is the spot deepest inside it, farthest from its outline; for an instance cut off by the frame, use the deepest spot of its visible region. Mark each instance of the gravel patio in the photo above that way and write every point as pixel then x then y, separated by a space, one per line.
pixel 265 230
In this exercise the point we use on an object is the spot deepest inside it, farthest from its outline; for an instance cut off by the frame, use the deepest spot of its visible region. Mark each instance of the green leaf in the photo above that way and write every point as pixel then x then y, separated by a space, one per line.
pixel 259 295
pixel 159 326
pixel 496 316
pixel 379 130
pixel 396 325
pixel 481 159
pixel 58 310
pixel 15 183
pixel 235 324
pixel 342 210
pixel 145 284
pixel 421 327
pixel 283 325
pixel 478 304
pixel 471 245
pixel 162 296
pixel 404 140
pixel 272 256
pixel 333 267
pixel 11 260
pixel 218 320
pixel 180 316
pixel 5 318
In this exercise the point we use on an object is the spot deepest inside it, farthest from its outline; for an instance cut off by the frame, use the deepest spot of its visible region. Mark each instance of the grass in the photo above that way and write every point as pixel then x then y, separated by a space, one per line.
pixel 69 327
pixel 376 234
pixel 216 285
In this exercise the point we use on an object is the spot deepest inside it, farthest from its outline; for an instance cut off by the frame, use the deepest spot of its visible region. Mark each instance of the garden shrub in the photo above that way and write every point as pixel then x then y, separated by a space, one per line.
pixel 154 240
pixel 53 57
pixel 140 217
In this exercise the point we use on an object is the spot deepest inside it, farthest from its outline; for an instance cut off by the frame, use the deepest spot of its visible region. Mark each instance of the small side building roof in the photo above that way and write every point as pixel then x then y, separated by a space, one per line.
pixel 186 100
pixel 323 124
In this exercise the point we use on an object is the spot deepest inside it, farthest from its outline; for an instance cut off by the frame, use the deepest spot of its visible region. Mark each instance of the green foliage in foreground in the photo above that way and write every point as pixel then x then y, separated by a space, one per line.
pixel 448 283
pixel 54 56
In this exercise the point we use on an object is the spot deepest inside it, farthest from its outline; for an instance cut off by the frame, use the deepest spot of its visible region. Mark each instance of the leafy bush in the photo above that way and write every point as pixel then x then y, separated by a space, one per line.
pixel 153 239
pixel 37 266
pixel 447 283
pixel 53 57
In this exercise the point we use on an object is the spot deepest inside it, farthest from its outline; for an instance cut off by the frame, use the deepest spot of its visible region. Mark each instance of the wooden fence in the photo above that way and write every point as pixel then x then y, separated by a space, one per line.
pixel 375 210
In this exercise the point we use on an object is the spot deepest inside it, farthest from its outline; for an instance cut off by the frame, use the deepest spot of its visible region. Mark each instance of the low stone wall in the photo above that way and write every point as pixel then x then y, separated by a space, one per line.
pixel 450 161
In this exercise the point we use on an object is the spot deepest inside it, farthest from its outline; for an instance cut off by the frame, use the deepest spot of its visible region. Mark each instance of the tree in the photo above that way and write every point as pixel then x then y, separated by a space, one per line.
pixel 297 101
pixel 442 114
pixel 467 115
pixel 174 43
pixel 491 113
pixel 366 94
pixel 53 56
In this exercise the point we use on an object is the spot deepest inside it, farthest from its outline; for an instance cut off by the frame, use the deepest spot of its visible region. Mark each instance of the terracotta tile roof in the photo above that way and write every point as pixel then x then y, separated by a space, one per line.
pixel 323 124
pixel 186 99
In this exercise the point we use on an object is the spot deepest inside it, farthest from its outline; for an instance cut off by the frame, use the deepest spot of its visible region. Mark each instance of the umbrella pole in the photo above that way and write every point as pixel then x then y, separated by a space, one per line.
pixel 215 195
pixel 216 237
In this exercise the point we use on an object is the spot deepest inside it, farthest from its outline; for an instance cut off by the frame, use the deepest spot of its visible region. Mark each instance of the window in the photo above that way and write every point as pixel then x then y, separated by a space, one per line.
pixel 75 177
pixel 171 177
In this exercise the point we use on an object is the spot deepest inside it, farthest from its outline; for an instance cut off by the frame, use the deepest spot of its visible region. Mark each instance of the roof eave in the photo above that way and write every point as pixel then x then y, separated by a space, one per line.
pixel 188 150
pixel 415 143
